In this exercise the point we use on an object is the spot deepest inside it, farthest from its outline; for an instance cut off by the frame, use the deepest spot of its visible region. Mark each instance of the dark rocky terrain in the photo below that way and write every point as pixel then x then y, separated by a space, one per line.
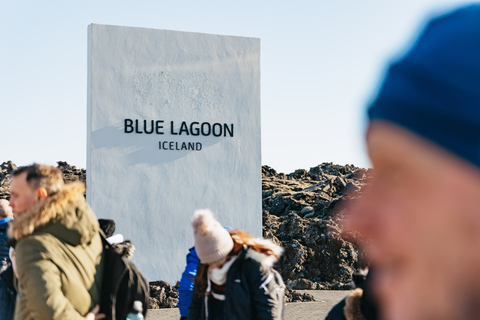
pixel 302 212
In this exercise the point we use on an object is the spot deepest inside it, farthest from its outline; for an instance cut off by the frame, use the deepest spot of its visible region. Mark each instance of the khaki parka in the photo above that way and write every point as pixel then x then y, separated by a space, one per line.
pixel 58 257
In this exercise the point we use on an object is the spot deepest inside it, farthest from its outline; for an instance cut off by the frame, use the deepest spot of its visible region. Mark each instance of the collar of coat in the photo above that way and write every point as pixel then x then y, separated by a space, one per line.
pixel 353 305
pixel 44 211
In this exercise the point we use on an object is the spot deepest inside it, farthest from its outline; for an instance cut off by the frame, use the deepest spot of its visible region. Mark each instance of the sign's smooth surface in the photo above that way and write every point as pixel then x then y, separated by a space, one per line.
pixel 173 126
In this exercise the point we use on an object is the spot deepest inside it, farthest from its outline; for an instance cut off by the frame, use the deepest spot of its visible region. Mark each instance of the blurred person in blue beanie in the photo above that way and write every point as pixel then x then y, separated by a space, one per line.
pixel 420 213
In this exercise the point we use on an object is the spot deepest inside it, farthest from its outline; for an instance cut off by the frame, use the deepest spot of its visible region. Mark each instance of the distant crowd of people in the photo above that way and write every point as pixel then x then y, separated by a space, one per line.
pixel 419 216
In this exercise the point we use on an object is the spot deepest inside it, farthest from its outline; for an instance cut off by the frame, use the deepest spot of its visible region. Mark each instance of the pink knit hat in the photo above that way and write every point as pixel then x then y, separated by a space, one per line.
pixel 212 241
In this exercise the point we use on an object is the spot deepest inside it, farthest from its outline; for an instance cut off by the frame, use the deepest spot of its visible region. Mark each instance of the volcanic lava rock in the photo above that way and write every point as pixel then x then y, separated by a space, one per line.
pixel 162 295
pixel 71 173
pixel 5 177
pixel 302 212
pixel 294 296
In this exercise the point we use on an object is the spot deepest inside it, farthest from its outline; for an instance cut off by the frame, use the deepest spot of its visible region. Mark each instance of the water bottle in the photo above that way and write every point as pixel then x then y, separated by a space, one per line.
pixel 137 310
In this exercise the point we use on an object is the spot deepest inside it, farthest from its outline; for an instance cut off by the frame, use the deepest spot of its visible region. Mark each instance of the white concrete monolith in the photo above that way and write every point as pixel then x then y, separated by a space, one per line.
pixel 173 126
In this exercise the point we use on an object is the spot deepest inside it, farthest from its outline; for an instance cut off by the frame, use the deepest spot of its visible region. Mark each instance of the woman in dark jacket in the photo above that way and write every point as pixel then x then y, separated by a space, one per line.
pixel 235 279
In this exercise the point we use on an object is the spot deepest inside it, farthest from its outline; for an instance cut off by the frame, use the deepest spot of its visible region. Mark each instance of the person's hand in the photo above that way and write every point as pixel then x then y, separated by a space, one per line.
pixel 94 315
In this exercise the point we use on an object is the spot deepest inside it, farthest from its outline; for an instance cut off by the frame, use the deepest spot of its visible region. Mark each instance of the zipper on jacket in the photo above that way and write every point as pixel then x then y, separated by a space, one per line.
pixel 206 307
pixel 266 282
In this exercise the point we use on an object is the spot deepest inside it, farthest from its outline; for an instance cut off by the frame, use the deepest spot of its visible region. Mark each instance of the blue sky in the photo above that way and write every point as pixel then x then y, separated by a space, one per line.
pixel 321 63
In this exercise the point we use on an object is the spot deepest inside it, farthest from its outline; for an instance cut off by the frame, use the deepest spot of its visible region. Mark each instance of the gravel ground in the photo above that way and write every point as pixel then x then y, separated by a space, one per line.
pixel 293 311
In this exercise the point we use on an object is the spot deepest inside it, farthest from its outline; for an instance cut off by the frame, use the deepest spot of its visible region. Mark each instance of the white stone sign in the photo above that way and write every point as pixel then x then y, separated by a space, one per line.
pixel 173 126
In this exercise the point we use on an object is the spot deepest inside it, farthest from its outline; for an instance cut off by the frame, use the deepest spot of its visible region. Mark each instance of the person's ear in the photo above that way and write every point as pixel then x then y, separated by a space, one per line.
pixel 42 193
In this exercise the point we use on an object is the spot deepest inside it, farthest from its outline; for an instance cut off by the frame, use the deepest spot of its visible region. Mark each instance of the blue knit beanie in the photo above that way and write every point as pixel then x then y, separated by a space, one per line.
pixel 434 90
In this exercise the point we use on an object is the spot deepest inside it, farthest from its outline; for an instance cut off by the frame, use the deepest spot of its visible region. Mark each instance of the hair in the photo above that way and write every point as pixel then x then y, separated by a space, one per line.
pixel 39 175
pixel 240 238
pixel 107 226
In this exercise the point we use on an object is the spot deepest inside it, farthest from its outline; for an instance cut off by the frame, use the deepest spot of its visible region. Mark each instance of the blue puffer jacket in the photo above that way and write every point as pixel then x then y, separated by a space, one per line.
pixel 186 282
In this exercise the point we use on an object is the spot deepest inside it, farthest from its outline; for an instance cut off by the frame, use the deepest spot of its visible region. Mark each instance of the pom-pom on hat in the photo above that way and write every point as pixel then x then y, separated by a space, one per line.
pixel 212 241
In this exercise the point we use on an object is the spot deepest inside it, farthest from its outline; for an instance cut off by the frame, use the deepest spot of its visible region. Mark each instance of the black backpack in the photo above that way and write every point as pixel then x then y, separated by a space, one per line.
pixel 122 285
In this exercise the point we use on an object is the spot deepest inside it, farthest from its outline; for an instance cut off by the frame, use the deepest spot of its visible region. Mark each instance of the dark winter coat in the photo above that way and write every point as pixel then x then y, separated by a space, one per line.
pixel 254 290
pixel 58 257
pixel 7 294
pixel 4 259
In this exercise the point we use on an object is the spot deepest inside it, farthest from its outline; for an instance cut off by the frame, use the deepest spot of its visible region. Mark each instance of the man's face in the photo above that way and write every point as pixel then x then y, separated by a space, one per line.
pixel 22 196
pixel 420 215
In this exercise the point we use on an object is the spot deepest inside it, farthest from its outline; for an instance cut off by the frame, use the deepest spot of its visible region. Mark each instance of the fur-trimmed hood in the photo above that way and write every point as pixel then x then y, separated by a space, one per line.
pixel 66 215
pixel 352 309
pixel 265 260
